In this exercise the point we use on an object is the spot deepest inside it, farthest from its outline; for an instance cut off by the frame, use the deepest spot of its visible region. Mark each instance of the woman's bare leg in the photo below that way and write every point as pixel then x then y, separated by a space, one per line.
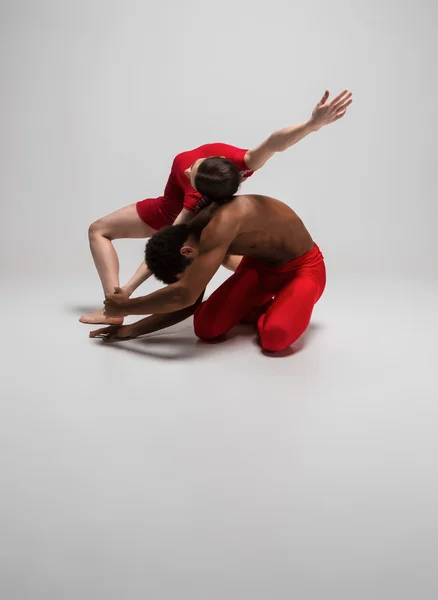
pixel 139 277
pixel 124 223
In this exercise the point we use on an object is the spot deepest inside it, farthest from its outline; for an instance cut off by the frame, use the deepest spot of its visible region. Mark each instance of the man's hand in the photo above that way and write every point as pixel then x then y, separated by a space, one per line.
pixel 329 112
pixel 116 304
pixel 114 333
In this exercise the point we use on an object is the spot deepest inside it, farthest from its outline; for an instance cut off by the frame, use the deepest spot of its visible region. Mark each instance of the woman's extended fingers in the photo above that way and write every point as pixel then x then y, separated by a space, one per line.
pixel 342 101
pixel 344 105
pixel 339 115
pixel 339 97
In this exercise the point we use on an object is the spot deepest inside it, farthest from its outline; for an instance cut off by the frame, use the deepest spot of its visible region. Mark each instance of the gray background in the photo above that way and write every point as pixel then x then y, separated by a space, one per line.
pixel 98 97
pixel 170 469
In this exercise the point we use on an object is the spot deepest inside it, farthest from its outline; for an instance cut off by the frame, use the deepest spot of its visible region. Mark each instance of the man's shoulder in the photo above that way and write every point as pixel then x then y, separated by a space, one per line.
pixel 242 207
pixel 215 215
pixel 226 217
pixel 225 209
pixel 237 205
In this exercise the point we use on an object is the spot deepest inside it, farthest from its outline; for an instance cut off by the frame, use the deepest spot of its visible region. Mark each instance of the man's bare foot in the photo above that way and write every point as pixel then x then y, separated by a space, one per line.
pixel 99 318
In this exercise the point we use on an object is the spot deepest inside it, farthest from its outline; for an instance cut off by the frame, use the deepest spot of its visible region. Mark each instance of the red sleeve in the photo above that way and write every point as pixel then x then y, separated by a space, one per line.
pixel 173 191
pixel 237 156
pixel 191 200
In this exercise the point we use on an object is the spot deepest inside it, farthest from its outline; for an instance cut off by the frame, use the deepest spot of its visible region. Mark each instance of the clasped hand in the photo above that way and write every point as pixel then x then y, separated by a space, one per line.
pixel 116 304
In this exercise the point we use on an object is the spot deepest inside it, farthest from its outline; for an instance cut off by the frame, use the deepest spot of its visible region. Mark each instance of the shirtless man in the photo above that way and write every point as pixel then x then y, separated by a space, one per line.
pixel 212 171
pixel 276 285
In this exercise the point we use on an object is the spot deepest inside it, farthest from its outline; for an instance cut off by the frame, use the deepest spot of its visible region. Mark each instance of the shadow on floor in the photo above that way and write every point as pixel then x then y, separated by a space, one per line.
pixel 249 332
pixel 166 345
pixel 82 310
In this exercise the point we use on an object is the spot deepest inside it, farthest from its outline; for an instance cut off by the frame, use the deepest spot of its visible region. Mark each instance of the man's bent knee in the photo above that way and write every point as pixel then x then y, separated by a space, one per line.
pixel 205 329
pixel 274 338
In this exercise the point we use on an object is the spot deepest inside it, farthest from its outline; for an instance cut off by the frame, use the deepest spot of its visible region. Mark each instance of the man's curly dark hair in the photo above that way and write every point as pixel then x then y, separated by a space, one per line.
pixel 163 253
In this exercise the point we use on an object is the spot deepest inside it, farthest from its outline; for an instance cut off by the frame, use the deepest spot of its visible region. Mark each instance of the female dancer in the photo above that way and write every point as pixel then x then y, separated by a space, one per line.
pixel 213 172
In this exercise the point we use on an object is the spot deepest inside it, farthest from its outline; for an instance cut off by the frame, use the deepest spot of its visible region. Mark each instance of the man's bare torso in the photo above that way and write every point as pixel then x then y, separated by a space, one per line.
pixel 267 229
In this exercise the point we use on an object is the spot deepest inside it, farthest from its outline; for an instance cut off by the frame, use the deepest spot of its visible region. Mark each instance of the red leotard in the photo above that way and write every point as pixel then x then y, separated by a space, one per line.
pixel 162 211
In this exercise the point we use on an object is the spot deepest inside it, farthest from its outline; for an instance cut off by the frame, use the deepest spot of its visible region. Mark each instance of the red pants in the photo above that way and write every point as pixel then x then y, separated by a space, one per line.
pixel 279 300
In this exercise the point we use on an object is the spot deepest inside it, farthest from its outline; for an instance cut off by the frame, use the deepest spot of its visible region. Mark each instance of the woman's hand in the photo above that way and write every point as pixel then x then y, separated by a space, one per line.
pixel 329 112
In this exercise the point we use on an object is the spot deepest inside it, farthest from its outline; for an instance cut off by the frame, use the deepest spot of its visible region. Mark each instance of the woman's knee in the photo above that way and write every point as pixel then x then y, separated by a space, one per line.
pixel 231 262
pixel 98 229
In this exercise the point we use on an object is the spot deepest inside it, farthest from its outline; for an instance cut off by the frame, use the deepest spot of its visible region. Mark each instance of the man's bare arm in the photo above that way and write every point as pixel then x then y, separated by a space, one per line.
pixel 213 248
pixel 117 333
pixel 323 114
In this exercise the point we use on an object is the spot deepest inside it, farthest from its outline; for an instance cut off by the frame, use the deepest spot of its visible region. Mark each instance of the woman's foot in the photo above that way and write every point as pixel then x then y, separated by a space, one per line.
pixel 99 318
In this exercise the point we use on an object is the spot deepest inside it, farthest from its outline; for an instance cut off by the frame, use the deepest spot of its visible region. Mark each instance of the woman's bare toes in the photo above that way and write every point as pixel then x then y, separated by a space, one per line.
pixel 99 318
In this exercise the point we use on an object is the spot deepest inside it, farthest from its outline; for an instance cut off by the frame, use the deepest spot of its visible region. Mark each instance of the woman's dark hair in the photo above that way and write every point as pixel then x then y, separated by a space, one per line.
pixel 163 253
pixel 217 178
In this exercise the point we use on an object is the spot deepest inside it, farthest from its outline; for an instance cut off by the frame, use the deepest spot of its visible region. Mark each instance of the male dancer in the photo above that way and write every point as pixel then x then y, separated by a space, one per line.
pixel 276 285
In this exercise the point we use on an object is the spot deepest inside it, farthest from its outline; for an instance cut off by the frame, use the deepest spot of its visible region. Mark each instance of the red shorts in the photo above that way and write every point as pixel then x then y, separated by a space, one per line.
pixel 152 212
pixel 278 299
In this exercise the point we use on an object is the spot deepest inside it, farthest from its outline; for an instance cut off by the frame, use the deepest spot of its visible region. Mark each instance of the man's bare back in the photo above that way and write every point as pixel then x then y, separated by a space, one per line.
pixel 267 229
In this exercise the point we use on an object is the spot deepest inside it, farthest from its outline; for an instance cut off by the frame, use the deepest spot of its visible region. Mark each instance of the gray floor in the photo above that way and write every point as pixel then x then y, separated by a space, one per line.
pixel 170 469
